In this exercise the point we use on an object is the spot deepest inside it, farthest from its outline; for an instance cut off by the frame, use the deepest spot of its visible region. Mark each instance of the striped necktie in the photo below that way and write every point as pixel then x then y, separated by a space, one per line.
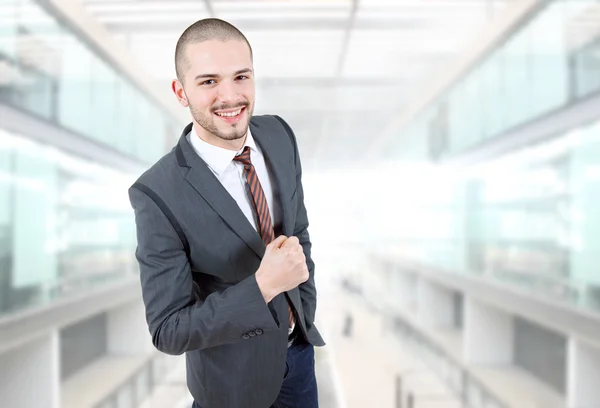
pixel 264 224
pixel 261 207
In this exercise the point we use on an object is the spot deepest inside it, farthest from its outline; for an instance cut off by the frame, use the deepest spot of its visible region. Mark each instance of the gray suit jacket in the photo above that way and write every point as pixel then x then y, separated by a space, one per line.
pixel 198 254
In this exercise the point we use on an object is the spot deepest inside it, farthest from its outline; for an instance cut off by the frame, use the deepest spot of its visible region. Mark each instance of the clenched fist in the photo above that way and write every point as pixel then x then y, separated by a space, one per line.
pixel 282 268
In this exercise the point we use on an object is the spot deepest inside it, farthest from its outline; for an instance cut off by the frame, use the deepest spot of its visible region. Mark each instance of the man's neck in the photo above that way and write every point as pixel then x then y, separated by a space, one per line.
pixel 214 140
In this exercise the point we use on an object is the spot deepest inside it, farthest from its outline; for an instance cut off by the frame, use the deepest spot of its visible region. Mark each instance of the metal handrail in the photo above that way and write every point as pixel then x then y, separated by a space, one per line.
pixel 413 336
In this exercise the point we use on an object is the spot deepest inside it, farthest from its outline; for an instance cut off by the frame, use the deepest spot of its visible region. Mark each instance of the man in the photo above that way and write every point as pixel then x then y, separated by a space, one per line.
pixel 223 247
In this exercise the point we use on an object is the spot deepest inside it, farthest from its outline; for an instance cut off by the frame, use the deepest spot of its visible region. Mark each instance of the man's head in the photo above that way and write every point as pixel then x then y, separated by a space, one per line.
pixel 215 79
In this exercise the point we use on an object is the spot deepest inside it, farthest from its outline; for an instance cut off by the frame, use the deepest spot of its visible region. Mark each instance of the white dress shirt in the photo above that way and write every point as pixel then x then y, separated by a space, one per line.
pixel 231 175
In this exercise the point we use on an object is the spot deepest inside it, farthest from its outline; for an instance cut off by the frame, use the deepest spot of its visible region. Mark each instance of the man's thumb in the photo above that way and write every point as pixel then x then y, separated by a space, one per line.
pixel 275 244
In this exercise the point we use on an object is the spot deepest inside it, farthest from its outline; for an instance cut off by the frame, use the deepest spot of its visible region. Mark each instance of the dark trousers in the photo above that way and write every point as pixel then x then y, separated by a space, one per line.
pixel 299 388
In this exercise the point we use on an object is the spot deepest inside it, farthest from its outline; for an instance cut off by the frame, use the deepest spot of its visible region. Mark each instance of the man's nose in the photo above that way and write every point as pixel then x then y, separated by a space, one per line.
pixel 228 92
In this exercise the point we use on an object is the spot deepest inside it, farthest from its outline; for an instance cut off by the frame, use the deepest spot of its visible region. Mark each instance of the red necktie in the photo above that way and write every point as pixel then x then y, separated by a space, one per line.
pixel 265 226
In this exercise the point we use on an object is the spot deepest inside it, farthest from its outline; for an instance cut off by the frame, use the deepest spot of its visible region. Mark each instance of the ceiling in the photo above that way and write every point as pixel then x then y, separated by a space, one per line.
pixel 336 70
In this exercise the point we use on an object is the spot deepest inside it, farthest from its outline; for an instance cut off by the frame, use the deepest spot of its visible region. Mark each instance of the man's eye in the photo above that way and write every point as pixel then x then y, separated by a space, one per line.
pixel 208 82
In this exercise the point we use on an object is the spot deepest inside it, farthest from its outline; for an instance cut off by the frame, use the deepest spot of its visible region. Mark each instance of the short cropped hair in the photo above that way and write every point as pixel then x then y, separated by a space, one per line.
pixel 205 30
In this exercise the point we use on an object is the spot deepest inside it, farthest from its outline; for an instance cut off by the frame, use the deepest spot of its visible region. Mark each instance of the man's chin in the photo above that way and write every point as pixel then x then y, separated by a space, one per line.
pixel 236 133
pixel 232 136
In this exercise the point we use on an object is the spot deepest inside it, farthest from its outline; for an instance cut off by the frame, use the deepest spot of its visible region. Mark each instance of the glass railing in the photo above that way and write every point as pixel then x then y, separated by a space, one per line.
pixel 139 386
pixel 549 62
pixel 66 225
pixel 46 70
pixel 528 219
pixel 471 392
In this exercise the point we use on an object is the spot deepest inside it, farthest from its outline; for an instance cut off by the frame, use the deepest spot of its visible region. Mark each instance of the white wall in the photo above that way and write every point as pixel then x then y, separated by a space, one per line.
pixel 127 330
pixel 29 375
pixel 583 375
pixel 488 334
pixel 435 304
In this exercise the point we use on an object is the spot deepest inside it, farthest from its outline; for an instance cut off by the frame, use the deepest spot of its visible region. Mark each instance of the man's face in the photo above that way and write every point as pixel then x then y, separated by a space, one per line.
pixel 219 87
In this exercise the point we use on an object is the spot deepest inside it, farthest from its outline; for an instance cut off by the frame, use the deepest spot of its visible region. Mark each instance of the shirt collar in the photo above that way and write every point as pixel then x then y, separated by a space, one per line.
pixel 218 158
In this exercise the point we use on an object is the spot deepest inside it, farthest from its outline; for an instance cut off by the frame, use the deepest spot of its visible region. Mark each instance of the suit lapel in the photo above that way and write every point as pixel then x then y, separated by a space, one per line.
pixel 212 191
pixel 279 161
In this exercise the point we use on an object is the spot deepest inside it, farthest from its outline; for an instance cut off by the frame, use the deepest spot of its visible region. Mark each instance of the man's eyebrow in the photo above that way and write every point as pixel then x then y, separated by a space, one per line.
pixel 236 73
pixel 243 71
pixel 200 76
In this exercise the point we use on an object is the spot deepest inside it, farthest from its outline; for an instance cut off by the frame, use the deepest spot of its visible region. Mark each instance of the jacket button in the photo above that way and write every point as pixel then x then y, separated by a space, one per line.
pixel 246 336
pixel 252 333
pixel 259 331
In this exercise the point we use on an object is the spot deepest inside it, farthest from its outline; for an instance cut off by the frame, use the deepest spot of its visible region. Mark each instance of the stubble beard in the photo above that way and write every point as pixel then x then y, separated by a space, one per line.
pixel 232 132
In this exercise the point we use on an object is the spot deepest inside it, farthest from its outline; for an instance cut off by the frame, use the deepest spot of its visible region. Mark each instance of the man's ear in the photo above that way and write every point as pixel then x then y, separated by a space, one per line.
pixel 177 88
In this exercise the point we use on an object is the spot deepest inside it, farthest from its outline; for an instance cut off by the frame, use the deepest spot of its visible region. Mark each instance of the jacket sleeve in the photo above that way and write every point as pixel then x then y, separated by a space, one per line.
pixel 178 321
pixel 308 290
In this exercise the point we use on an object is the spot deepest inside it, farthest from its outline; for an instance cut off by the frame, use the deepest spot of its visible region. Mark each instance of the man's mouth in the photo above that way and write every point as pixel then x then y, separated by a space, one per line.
pixel 230 115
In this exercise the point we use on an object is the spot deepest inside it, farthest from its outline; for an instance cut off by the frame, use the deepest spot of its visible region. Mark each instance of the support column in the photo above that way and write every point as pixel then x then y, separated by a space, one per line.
pixel 30 374
pixel 435 304
pixel 127 330
pixel 583 374
pixel 405 287
pixel 488 334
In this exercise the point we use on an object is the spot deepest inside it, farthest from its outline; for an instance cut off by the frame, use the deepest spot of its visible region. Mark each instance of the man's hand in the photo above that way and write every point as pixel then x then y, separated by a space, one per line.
pixel 282 268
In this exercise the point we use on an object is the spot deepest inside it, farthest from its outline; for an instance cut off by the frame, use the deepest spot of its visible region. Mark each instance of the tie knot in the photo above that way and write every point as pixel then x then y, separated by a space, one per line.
pixel 244 157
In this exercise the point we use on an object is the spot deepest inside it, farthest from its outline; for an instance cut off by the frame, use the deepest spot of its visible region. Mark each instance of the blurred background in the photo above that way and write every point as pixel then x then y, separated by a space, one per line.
pixel 451 155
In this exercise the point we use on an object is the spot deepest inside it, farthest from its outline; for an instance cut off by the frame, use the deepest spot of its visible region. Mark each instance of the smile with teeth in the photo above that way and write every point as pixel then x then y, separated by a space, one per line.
pixel 229 114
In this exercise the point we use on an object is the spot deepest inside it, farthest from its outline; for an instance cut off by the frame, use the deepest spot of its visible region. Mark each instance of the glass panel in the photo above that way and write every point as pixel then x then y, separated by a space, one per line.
pixel 473 112
pixel 75 87
pixel 96 224
pixel 126 127
pixel 587 69
pixel 8 28
pixel 162 142
pixel 552 59
pixel 582 41
pixel 492 100
pixel 458 117
pixel 521 226
pixel 6 219
pixel 516 75
pixel 47 70
pixel 34 217
pixel 549 77
pixel 528 218
pixel 138 131
pixel 9 71
pixel 584 181
pixel 35 51
pixel 154 141
pixel 144 133
pixel 103 102
pixel 72 214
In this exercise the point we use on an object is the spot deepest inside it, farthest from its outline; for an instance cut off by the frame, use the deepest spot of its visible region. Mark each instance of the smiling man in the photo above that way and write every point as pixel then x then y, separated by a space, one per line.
pixel 223 244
